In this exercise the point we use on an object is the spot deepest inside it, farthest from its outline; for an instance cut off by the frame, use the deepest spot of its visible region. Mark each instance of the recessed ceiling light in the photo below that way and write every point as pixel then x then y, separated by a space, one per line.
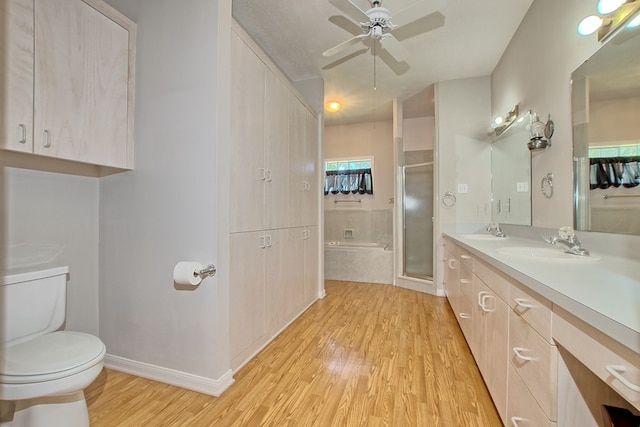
pixel 333 106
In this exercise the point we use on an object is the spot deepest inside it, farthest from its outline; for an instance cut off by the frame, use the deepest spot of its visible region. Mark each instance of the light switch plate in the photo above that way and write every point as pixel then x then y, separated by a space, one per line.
pixel 522 187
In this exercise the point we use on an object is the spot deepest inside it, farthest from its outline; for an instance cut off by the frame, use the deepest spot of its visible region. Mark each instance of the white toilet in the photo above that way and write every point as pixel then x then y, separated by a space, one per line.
pixel 43 369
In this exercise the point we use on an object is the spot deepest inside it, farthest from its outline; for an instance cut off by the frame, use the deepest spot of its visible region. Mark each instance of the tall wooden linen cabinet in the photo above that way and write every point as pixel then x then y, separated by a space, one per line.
pixel 274 201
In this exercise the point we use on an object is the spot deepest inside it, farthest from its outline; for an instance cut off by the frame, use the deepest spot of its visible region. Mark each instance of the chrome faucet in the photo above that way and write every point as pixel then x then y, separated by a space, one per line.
pixel 496 230
pixel 567 237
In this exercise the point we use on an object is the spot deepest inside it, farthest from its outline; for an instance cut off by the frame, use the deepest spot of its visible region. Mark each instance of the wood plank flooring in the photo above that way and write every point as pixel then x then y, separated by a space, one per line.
pixel 366 355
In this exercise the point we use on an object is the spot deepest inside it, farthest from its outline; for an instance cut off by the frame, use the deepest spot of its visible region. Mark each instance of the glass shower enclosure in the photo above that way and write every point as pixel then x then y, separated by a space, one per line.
pixel 418 220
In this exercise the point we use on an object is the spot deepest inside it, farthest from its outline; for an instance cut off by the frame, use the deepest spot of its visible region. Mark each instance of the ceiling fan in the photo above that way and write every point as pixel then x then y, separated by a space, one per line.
pixel 376 25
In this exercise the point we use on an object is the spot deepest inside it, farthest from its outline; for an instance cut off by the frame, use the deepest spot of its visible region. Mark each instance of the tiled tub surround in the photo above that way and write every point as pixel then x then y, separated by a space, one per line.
pixel 367 226
pixel 354 262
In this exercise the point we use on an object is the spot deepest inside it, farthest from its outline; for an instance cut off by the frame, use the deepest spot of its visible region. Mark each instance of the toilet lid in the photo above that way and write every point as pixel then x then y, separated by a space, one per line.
pixel 54 353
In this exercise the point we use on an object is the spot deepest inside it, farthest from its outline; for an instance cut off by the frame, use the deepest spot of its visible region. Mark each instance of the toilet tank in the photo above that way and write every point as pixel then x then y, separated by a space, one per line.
pixel 32 303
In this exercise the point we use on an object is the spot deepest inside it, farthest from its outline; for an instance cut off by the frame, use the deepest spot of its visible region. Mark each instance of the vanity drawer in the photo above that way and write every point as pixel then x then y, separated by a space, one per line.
pixel 535 361
pixel 466 283
pixel 522 409
pixel 466 258
pixel 533 308
pixel 612 362
pixel 498 282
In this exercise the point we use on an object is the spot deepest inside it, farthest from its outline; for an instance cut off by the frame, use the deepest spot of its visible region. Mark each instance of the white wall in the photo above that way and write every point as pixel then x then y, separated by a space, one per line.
pixel 166 210
pixel 418 133
pixel 463 155
pixel 53 218
pixel 359 141
pixel 535 72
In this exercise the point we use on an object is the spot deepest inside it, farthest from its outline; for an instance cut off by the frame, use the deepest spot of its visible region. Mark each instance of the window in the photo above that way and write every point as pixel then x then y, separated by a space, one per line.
pixel 614 165
pixel 348 176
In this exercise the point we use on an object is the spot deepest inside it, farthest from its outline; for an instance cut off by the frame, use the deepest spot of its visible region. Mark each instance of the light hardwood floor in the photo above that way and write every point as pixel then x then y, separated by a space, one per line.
pixel 366 355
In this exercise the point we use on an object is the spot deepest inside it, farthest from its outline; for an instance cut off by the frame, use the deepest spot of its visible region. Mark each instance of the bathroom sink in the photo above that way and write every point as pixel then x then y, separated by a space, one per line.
pixel 482 236
pixel 545 254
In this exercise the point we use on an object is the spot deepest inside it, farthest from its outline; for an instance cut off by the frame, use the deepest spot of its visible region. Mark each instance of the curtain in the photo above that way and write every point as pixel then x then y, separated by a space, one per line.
pixel 614 171
pixel 348 181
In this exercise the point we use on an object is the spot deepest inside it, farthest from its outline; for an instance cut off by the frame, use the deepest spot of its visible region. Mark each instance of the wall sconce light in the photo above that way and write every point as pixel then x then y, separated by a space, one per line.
pixel 611 15
pixel 540 133
pixel 333 106
pixel 500 124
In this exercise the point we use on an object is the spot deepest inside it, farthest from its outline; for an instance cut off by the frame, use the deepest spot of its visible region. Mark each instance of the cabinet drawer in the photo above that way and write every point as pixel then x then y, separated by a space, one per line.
pixel 535 361
pixel 466 258
pixel 498 282
pixel 522 409
pixel 466 283
pixel 612 362
pixel 533 308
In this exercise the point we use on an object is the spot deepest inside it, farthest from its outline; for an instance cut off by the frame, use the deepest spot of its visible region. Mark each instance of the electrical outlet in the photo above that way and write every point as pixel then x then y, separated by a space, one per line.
pixel 463 188
pixel 522 187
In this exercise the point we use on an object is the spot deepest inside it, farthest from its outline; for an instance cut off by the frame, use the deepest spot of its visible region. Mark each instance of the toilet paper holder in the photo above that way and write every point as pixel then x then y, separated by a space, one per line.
pixel 208 271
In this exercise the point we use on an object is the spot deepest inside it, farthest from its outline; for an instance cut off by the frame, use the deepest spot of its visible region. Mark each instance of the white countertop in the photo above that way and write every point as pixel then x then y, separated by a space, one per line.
pixel 603 293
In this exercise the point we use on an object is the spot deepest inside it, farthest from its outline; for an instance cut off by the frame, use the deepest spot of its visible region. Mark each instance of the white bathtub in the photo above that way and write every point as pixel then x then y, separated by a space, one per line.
pixel 351 261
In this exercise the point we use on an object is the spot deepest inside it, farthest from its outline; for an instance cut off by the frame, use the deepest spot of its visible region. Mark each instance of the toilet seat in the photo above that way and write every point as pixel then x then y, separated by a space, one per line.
pixel 50 357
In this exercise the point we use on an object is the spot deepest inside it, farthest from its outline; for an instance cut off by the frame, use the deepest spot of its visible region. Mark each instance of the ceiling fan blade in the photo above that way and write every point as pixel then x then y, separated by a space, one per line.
pixel 415 12
pixel 346 24
pixel 419 26
pixel 345 59
pixel 351 10
pixel 394 47
pixel 342 46
pixel 398 67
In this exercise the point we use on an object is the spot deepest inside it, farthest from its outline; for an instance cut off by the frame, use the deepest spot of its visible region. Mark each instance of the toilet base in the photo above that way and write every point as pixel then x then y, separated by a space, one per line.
pixel 69 410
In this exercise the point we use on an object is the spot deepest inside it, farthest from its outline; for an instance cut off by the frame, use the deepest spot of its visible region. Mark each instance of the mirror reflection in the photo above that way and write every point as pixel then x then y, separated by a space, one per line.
pixel 511 174
pixel 606 137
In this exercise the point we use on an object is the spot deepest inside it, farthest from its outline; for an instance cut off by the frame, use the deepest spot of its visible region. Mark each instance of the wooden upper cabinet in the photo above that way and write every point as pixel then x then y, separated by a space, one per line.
pixel 82 74
pixel 16 74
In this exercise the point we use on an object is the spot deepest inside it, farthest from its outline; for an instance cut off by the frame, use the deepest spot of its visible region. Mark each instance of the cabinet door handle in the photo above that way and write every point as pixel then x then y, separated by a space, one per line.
pixel 263 242
pixel 616 371
pixel 263 174
pixel 47 138
pixel 465 315
pixel 524 303
pixel 451 261
pixel 516 420
pixel 518 351
pixel 480 295
pixel 268 240
pixel 483 303
pixel 23 134
pixel 268 175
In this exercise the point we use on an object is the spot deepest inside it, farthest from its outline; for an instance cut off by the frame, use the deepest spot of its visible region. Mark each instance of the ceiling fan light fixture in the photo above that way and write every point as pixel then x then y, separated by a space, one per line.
pixel 333 106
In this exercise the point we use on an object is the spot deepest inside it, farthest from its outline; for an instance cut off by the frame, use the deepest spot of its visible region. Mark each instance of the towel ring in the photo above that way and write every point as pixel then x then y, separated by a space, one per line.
pixel 449 199
pixel 549 183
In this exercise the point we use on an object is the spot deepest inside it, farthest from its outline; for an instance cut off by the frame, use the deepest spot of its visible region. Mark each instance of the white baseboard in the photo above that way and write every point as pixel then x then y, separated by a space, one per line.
pixel 213 387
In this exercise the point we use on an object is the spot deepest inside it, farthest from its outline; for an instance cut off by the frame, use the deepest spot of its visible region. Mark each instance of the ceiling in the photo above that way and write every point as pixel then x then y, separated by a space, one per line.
pixel 467 39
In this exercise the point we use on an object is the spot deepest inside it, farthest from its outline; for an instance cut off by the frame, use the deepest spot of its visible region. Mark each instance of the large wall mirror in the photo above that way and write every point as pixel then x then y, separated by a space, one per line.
pixel 511 174
pixel 606 137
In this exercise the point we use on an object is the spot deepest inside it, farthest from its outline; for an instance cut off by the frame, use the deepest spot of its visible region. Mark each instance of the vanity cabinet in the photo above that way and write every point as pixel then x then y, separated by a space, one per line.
pixel 510 338
pixel 273 220
pixel 68 68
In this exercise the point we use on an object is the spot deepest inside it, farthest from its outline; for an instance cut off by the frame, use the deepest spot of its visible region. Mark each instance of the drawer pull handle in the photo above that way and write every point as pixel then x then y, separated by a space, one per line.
pixel 465 315
pixel 465 281
pixel 616 371
pixel 523 303
pixel 518 351
pixel 465 257
pixel 480 295
pixel 516 420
